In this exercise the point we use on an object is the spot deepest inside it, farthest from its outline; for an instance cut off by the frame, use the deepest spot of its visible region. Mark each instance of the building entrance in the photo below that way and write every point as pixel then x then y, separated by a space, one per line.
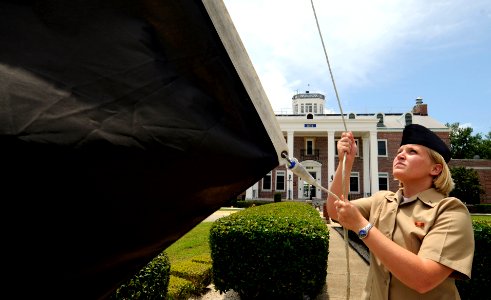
pixel 307 191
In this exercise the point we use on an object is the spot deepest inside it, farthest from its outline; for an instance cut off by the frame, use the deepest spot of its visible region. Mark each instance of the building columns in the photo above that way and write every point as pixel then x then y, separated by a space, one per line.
pixel 366 164
pixel 289 173
pixel 373 162
pixel 331 146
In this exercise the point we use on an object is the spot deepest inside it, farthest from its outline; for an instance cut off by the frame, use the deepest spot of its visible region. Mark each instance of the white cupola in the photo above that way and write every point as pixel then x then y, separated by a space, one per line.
pixel 308 103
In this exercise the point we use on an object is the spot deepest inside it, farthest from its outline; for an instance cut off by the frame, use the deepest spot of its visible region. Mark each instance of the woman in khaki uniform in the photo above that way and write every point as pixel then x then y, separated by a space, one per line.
pixel 420 239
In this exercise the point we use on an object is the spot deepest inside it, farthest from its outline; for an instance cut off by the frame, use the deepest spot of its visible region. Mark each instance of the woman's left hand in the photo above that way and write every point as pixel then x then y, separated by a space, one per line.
pixel 349 216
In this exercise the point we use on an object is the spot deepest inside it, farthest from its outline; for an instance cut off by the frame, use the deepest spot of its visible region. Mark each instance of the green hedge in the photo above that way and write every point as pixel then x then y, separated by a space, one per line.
pixel 151 282
pixel 198 273
pixel 279 233
pixel 478 285
pixel 277 250
pixel 180 288
pixel 479 208
pixel 251 203
pixel 277 197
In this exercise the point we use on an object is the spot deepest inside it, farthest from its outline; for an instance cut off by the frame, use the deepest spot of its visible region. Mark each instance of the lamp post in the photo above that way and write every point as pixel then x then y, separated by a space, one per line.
pixel 289 190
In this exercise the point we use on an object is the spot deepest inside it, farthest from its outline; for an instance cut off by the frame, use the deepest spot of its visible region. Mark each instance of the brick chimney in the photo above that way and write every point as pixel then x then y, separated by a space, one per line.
pixel 420 108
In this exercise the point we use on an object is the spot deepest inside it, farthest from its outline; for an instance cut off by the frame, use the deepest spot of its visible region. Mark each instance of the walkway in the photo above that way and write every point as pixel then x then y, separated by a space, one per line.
pixel 335 288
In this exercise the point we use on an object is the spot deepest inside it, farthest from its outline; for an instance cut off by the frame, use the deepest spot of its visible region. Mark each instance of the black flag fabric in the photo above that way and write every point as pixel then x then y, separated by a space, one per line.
pixel 123 124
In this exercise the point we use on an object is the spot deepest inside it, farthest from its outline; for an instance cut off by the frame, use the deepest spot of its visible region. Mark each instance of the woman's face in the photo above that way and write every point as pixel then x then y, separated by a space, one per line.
pixel 412 162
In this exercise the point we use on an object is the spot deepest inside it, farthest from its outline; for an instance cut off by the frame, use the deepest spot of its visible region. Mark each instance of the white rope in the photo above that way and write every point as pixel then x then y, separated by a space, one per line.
pixel 329 65
pixel 345 231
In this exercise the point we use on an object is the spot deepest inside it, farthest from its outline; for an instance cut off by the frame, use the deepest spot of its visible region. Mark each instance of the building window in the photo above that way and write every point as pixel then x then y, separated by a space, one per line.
pixel 351 116
pixel 302 109
pixel 321 109
pixel 383 181
pixel 380 118
pixel 309 146
pixel 308 107
pixel 336 148
pixel 409 119
pixel 295 109
pixel 280 180
pixel 267 182
pixel 354 183
pixel 315 108
pixel 382 148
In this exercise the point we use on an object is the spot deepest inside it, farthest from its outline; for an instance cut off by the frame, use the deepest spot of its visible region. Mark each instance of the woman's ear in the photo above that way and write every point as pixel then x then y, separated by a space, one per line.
pixel 436 169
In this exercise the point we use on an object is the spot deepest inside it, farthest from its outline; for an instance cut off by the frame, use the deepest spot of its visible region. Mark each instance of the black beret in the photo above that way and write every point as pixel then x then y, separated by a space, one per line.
pixel 420 135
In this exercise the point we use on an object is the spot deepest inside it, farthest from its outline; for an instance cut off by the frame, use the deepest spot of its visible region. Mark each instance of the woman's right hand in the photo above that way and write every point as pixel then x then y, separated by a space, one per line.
pixel 347 145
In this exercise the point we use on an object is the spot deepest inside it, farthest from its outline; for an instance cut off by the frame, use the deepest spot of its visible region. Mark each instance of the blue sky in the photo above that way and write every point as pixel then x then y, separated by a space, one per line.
pixel 383 54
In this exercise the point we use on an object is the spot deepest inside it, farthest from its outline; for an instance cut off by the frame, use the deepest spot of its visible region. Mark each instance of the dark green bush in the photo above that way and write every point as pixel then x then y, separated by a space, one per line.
pixel 151 282
pixel 277 197
pixel 478 285
pixel 233 202
pixel 467 185
pixel 250 203
pixel 479 208
pixel 273 251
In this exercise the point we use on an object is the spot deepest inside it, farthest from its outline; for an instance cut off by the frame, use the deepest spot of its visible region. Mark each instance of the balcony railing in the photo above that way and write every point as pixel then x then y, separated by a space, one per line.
pixel 312 155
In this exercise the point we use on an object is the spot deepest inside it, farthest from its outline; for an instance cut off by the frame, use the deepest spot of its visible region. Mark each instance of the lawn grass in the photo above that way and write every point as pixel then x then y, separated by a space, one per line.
pixel 192 244
pixel 481 218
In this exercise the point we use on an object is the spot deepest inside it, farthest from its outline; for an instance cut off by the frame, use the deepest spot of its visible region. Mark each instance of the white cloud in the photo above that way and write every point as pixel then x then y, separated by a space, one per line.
pixel 369 43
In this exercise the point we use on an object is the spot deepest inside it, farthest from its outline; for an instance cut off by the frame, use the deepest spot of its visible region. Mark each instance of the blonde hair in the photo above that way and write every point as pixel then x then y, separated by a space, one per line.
pixel 443 182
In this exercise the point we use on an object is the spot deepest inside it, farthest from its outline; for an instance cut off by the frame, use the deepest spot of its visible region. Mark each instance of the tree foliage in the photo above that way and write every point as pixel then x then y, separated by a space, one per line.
pixel 465 145
pixel 484 148
pixel 467 186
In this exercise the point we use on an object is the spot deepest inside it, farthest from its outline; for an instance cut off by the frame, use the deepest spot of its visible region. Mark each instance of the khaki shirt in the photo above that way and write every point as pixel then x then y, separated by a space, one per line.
pixel 431 226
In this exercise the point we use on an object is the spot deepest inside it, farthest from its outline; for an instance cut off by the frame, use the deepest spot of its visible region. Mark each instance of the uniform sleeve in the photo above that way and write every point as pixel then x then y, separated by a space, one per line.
pixel 364 205
pixel 367 205
pixel 450 241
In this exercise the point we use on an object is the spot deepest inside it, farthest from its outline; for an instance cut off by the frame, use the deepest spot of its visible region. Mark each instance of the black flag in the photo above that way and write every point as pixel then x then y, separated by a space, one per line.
pixel 123 124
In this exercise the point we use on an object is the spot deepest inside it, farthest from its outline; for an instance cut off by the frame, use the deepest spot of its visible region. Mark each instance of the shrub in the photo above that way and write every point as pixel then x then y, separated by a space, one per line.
pixel 481 265
pixel 151 282
pixel 467 186
pixel 479 208
pixel 250 203
pixel 277 197
pixel 180 288
pixel 233 202
pixel 277 250
pixel 189 277
pixel 199 274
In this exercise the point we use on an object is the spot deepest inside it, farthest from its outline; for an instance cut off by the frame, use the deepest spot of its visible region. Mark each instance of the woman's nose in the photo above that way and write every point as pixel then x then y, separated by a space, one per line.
pixel 400 155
